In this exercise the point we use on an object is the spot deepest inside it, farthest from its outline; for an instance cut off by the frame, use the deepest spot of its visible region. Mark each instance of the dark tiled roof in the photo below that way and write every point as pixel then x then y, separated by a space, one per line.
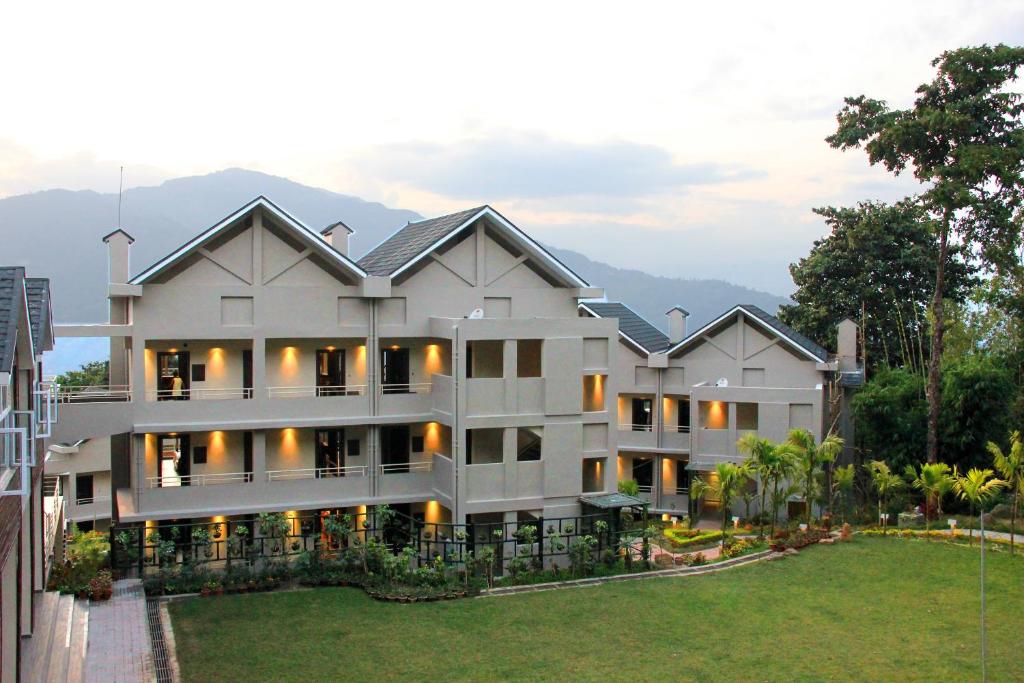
pixel 11 293
pixel 785 330
pixel 37 289
pixel 632 325
pixel 410 241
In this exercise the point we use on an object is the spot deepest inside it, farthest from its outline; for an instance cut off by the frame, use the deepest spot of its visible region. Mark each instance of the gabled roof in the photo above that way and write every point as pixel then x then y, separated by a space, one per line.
pixel 767 321
pixel 632 326
pixel 303 231
pixel 12 304
pixel 415 240
pixel 37 290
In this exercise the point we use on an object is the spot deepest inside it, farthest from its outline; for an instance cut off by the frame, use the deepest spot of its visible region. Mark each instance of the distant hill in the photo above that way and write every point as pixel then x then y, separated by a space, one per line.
pixel 56 234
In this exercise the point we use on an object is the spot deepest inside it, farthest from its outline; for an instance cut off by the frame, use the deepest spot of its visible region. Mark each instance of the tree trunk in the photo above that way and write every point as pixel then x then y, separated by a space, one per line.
pixel 761 511
pixel 938 329
pixel 1013 516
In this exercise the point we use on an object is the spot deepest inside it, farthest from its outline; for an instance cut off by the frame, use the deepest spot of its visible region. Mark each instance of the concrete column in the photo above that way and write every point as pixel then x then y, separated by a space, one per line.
pixel 259 455
pixel 138 380
pixel 510 457
pixel 732 428
pixel 510 370
pixel 259 368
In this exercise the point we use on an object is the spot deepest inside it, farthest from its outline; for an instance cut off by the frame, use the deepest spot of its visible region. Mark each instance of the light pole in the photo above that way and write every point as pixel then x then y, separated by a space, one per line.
pixel 983 672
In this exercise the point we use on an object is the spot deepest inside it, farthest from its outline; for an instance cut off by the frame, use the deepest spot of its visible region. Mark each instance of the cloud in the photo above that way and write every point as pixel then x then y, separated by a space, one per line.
pixel 530 165
pixel 21 172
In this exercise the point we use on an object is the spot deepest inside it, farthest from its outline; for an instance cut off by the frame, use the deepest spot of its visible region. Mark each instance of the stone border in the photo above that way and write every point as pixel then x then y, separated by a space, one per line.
pixel 170 647
pixel 659 573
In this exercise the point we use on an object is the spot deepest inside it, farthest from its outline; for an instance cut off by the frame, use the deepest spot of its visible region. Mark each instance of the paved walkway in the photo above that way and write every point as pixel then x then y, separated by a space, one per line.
pixel 119 648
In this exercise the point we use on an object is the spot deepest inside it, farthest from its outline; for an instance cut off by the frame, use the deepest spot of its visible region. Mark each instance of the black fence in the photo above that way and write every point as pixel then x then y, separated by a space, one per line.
pixel 137 550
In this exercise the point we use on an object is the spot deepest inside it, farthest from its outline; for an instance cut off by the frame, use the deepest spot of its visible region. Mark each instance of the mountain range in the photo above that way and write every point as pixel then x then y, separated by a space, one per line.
pixel 56 234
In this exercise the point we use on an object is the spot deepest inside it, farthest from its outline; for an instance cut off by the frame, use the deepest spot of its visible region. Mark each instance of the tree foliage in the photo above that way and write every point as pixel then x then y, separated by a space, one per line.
pixel 963 139
pixel 95 373
pixel 876 267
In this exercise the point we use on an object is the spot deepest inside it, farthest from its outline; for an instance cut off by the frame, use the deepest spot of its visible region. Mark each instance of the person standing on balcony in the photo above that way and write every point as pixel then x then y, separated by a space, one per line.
pixel 176 385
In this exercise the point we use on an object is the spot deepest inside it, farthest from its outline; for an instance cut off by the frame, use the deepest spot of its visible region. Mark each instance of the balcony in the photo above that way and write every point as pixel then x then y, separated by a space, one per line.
pixel 637 436
pixel 676 438
pixel 405 399
pixel 89 509
pixel 413 479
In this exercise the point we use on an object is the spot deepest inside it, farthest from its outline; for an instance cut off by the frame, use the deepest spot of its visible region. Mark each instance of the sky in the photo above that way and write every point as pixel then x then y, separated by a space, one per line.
pixel 682 139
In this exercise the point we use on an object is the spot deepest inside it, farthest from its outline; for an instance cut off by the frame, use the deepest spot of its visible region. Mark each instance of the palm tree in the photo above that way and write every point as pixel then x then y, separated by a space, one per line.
pixel 784 467
pixel 842 483
pixel 729 479
pixel 1011 468
pixel 934 481
pixel 976 489
pixel 885 482
pixel 812 456
pixel 762 459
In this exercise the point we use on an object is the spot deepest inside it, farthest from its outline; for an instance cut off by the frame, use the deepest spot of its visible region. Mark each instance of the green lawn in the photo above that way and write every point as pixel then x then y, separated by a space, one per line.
pixel 874 609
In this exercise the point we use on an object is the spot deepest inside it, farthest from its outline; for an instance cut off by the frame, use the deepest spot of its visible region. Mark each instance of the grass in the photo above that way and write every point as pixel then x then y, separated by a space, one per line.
pixel 874 609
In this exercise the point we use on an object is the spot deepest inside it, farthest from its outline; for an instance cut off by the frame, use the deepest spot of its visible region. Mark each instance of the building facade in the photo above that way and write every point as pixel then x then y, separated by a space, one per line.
pixel 29 521
pixel 458 373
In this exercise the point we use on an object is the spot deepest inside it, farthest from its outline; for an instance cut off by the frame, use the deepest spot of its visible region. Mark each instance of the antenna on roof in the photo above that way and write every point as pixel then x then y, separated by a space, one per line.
pixel 120 189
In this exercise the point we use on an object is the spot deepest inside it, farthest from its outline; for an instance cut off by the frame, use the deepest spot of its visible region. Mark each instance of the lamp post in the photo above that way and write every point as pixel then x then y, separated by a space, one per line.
pixel 983 671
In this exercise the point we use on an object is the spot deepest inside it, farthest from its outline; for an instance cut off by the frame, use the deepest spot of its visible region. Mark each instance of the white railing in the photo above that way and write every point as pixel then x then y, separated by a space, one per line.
pixel 645 489
pixel 316 473
pixel 403 468
pixel 203 394
pixel 199 480
pixel 46 407
pixel 53 510
pixel 97 393
pixel 677 429
pixel 17 453
pixel 635 428
pixel 316 391
pixel 90 501
pixel 417 388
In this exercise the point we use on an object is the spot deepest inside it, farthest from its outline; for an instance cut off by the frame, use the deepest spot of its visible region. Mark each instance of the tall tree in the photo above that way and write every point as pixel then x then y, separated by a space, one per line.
pixel 92 374
pixel 877 267
pixel 963 138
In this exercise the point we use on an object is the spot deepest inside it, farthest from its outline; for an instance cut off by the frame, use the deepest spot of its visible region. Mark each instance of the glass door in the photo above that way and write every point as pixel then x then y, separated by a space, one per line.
pixel 330 372
pixel 173 376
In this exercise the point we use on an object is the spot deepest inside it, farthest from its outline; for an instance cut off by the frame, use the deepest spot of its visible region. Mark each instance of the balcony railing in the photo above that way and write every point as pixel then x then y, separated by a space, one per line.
pixel 677 429
pixel 417 388
pixel 90 501
pixel 635 428
pixel 316 391
pixel 316 473
pixel 97 393
pixel 645 489
pixel 405 467
pixel 212 394
pixel 199 480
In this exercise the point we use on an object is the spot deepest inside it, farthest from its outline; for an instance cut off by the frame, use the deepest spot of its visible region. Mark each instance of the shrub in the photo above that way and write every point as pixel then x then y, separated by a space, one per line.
pixel 101 586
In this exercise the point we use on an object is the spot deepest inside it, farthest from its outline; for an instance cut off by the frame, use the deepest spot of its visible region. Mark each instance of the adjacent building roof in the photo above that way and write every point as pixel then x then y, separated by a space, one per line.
pixel 613 501
pixel 12 297
pixel 310 236
pixel 632 326
pixel 412 240
pixel 769 322
pixel 37 291
pixel 417 239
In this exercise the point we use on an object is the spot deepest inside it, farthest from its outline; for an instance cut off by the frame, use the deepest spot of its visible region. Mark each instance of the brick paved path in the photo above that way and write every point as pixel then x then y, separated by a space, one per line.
pixel 119 648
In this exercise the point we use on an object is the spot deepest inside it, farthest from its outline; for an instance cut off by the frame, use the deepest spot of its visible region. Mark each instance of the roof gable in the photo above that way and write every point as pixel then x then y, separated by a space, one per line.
pixel 37 291
pixel 632 326
pixel 12 298
pixel 284 219
pixel 416 240
pixel 766 321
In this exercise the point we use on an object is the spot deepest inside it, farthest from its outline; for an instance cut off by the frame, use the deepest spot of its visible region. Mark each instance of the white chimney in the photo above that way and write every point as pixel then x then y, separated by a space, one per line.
pixel 343 232
pixel 677 316
pixel 118 251
pixel 846 347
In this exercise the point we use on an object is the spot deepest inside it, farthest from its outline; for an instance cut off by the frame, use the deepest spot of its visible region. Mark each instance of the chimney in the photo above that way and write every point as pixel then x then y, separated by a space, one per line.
pixel 846 351
pixel 677 316
pixel 118 251
pixel 343 232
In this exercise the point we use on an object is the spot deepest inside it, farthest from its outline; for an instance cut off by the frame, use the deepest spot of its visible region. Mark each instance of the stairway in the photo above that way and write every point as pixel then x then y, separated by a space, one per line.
pixel 56 651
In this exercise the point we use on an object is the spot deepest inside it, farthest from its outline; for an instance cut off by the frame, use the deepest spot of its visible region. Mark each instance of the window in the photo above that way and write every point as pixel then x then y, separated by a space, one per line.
pixel 683 415
pixel 746 416
pixel 643 473
pixel 643 409
pixel 83 489
pixel 199 372
pixel 199 455
pixel 353 446
pixel 528 357
pixel 682 477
